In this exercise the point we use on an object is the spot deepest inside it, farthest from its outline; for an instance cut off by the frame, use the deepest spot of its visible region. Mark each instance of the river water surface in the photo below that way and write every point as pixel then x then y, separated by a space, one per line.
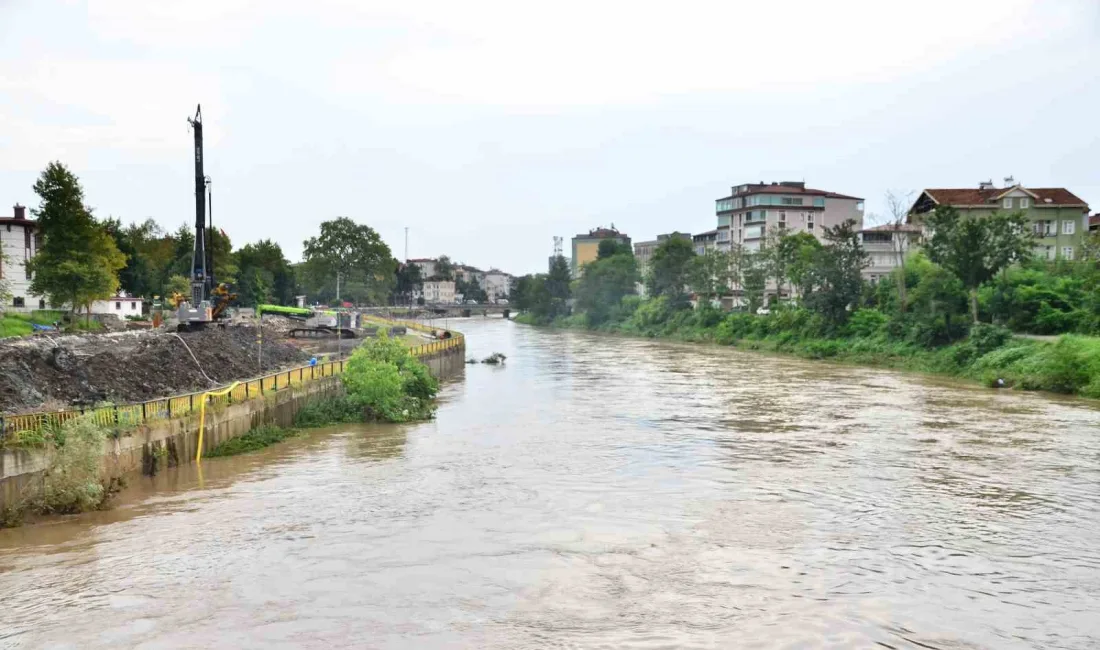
pixel 605 492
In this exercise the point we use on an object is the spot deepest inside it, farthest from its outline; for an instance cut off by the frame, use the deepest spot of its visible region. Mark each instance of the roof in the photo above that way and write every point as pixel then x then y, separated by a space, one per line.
pixel 788 188
pixel 1094 221
pixel 978 196
pixel 29 223
pixel 891 227
pixel 417 260
pixel 601 233
pixel 704 235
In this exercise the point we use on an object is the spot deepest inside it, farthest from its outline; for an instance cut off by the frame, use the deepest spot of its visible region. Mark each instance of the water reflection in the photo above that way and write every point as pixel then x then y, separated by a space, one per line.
pixel 601 492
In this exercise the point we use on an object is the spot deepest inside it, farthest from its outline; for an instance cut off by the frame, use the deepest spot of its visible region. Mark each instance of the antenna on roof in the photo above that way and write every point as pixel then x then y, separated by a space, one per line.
pixel 1010 182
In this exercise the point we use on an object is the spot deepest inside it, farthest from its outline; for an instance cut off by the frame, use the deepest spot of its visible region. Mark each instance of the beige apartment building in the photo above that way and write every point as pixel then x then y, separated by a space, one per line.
pixel 752 209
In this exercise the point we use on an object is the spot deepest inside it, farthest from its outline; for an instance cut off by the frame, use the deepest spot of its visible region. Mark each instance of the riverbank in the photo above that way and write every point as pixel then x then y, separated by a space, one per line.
pixel 990 355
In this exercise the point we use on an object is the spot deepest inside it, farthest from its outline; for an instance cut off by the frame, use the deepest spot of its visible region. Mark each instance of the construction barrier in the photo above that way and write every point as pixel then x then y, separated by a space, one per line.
pixel 125 416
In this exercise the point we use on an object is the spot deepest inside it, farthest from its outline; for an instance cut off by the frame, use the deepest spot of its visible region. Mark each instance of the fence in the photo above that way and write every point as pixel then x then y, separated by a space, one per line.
pixel 130 415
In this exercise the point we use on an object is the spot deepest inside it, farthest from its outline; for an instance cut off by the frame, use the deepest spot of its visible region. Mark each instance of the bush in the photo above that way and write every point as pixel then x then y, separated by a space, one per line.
pixel 866 323
pixel 331 410
pixel 73 481
pixel 258 438
pixel 386 382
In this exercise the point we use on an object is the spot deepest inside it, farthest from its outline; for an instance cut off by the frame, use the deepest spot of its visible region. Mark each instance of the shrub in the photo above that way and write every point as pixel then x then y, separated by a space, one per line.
pixel 866 323
pixel 73 481
pixel 258 438
pixel 331 410
pixel 386 382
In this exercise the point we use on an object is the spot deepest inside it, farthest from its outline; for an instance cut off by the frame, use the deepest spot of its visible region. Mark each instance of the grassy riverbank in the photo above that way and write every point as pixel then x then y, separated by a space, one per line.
pixel 988 354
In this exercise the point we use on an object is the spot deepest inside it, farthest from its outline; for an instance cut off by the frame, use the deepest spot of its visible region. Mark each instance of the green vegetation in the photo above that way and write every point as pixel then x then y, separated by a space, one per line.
pixel 256 439
pixel 357 254
pixel 74 480
pixel 19 324
pixel 922 318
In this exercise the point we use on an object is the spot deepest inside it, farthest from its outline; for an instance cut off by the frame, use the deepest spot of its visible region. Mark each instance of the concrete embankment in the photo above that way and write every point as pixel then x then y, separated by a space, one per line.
pixel 167 443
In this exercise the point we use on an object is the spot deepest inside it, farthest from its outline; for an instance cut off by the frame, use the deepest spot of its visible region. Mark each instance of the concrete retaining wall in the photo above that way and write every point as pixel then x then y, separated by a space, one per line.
pixel 167 443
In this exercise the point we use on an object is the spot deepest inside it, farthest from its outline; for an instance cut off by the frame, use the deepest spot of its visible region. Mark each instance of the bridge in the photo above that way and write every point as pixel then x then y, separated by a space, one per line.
pixel 438 309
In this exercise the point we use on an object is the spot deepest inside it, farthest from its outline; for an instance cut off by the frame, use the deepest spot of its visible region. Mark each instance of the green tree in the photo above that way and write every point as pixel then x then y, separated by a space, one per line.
pixel 177 284
pixel 264 274
pixel 78 261
pixel 975 249
pixel 603 285
pixel 754 278
pixel 798 250
pixel 471 290
pixel 835 276
pixel 355 253
pixel 609 247
pixel 558 283
pixel 444 269
pixel 710 275
pixel 407 283
pixel 670 269
pixel 139 276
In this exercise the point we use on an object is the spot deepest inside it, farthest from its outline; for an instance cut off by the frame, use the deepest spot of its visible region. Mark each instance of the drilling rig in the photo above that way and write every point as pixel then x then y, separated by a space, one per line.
pixel 208 299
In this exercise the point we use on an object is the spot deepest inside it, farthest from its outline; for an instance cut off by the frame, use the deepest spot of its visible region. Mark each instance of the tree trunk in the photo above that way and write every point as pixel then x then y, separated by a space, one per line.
pixel 902 290
pixel 974 304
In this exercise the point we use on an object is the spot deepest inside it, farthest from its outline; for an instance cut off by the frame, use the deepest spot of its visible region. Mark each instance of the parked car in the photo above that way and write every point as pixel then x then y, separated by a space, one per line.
pixel 471 302
pixel 502 301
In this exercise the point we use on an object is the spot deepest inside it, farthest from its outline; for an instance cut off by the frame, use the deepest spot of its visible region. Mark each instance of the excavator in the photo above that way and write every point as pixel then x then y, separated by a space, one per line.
pixel 209 299
pixel 315 323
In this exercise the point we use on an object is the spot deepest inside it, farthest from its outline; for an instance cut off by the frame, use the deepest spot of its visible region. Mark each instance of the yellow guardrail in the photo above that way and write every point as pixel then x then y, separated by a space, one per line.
pixel 125 416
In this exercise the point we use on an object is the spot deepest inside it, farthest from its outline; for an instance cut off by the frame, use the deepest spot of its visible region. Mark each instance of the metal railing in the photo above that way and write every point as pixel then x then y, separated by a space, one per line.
pixel 124 416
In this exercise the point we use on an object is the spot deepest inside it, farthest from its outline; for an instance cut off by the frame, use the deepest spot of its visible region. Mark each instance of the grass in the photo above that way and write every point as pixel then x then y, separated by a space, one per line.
pixel 19 324
pixel 254 440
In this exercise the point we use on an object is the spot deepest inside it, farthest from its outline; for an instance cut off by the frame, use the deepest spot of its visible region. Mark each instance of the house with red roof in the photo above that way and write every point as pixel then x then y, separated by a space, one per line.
pixel 1059 219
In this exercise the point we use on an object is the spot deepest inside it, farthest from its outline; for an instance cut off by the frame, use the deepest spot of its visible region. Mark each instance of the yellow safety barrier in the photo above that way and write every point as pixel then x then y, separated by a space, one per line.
pixel 202 413
pixel 131 415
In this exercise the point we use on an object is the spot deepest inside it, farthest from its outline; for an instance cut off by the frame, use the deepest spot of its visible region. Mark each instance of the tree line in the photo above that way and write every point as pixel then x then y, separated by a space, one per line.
pixel 965 271
pixel 81 259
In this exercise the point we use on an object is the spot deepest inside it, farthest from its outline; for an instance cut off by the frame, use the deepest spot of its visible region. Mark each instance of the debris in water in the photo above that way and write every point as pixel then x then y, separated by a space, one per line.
pixel 471 360
pixel 494 359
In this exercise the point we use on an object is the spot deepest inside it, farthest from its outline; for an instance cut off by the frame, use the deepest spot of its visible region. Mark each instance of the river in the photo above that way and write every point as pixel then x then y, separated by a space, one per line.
pixel 602 492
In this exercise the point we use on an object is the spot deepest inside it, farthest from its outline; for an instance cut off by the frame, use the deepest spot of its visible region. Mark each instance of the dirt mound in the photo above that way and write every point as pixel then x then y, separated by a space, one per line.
pixel 131 366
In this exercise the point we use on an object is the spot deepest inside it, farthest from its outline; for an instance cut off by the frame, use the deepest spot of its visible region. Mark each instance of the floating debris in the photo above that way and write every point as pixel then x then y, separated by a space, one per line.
pixel 494 359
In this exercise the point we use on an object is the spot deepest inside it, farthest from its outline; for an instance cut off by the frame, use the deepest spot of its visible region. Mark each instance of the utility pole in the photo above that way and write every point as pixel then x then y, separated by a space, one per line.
pixel 406 244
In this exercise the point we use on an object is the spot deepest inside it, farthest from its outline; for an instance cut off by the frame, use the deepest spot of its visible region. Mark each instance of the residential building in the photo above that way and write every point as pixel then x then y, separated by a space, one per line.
pixel 1094 222
pixel 1058 218
pixel 438 291
pixel 469 274
pixel 753 209
pixel 643 250
pixel 705 241
pixel 886 245
pixel 120 306
pixel 19 241
pixel 497 284
pixel 586 246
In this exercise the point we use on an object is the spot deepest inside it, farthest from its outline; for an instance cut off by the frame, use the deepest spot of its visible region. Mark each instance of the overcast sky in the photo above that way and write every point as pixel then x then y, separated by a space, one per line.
pixel 487 128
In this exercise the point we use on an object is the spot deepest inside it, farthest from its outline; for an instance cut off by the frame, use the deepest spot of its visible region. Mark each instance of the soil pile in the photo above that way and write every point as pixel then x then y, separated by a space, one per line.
pixel 86 370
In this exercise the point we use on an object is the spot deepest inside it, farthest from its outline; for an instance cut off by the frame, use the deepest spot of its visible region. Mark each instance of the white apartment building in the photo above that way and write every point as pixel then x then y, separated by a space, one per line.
pixel 497 284
pixel 883 244
pixel 752 209
pixel 19 242
pixel 426 265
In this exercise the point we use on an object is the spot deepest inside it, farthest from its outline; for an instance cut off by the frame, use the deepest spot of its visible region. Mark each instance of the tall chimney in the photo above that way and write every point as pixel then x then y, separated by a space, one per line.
pixel 20 212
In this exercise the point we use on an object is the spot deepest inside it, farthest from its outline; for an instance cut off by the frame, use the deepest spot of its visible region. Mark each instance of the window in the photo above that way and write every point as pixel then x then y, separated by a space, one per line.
pixel 1025 203
pixel 809 217
pixel 819 201
pixel 1067 227
pixel 723 235
pixel 810 226
pixel 782 217
pixel 118 306
pixel 1067 252
pixel 1008 204
pixel 723 220
pixel 859 206
pixel 18 301
pixel 133 305
pixel 41 303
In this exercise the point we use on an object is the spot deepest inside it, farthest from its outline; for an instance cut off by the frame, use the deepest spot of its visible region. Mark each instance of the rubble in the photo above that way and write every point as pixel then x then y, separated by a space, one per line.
pixel 133 366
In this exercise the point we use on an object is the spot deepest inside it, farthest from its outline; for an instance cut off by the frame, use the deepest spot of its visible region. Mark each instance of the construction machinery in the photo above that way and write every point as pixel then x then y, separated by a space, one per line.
pixel 208 300
pixel 315 323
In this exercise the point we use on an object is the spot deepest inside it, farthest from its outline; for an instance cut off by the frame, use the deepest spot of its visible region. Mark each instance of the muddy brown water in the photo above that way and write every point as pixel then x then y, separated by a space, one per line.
pixel 605 493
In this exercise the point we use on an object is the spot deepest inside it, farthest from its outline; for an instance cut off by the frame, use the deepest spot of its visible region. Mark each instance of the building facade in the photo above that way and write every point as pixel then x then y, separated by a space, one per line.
pixel 886 246
pixel 1094 222
pixel 753 209
pixel 438 291
pixel 1058 218
pixel 19 240
pixel 705 241
pixel 586 246
pixel 643 250
pixel 426 266
pixel 120 306
pixel 497 285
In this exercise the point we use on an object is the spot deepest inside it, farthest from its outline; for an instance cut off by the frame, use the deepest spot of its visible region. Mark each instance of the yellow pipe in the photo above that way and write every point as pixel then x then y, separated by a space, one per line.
pixel 202 414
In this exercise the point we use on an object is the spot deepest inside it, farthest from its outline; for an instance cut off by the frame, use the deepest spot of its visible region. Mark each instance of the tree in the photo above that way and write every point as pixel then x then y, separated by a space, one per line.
pixel 471 290
pixel 444 269
pixel 354 253
pixel 177 284
pixel 976 249
pixel 139 276
pixel 799 251
pixel 834 279
pixel 78 261
pixel 754 278
pixel 603 285
pixel 898 205
pixel 609 247
pixel 263 274
pixel 407 283
pixel 557 283
pixel 710 275
pixel 670 269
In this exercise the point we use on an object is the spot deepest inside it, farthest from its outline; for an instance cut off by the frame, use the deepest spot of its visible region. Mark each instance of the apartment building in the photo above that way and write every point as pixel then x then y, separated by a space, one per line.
pixel 885 246
pixel 643 250
pixel 438 291
pixel 497 284
pixel 705 241
pixel 753 209
pixel 587 245
pixel 1058 218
